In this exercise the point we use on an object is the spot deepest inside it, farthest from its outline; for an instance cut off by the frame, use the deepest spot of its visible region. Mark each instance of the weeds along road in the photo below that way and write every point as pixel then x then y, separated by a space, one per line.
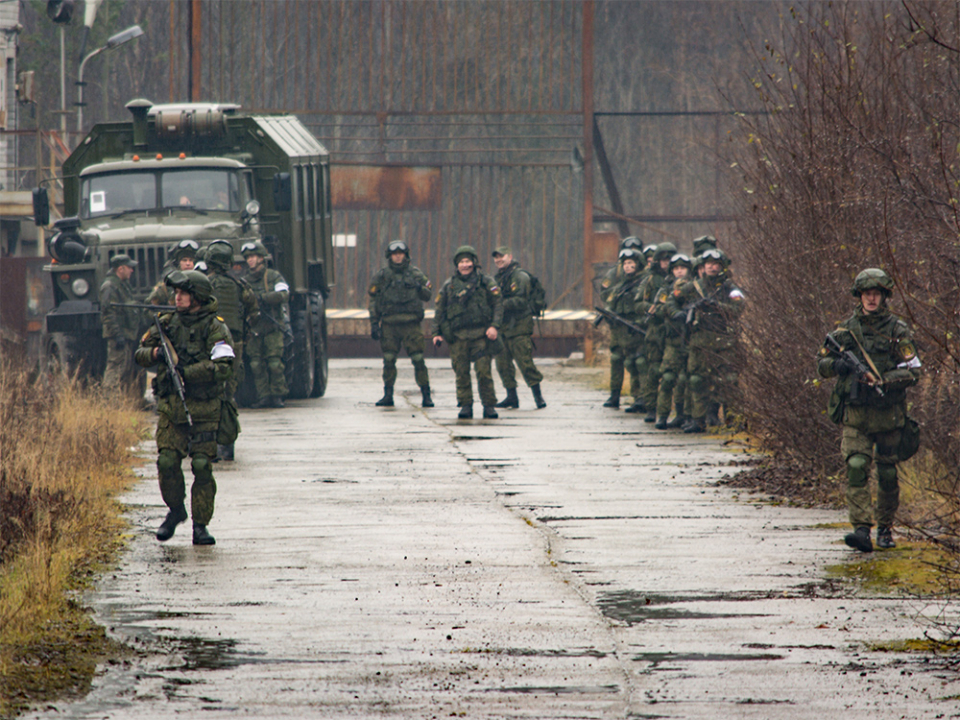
pixel 571 562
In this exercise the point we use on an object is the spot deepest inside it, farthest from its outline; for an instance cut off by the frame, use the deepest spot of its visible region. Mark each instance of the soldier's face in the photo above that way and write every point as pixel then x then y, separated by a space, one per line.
pixel 397 257
pixel 124 272
pixel 186 263
pixel 665 264
pixel 254 261
pixel 629 266
pixel 712 268
pixel 680 271
pixel 501 261
pixel 183 300
pixel 465 266
pixel 871 299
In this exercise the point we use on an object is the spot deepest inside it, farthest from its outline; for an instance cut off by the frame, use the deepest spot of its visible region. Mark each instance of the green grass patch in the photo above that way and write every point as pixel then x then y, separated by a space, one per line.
pixel 912 568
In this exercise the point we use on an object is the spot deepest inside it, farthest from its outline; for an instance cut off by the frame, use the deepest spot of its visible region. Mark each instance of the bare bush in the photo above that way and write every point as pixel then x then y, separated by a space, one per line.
pixel 854 165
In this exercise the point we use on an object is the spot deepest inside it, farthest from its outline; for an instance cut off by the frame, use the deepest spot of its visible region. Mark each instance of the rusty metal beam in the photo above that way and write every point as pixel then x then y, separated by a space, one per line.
pixel 195 90
pixel 586 60
pixel 607 172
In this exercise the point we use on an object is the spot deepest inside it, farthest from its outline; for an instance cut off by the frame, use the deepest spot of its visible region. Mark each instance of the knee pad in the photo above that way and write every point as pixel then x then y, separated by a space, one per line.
pixel 389 359
pixel 668 380
pixel 857 465
pixel 697 383
pixel 168 462
pixel 255 364
pixel 275 364
pixel 616 358
pixel 201 466
pixel 886 474
pixel 416 358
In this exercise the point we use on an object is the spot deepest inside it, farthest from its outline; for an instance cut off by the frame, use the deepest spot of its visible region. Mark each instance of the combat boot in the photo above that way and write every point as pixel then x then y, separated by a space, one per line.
pixel 650 416
pixel 263 402
pixel 537 397
pixel 427 400
pixel 613 401
pixel 466 412
pixel 387 399
pixel 661 423
pixel 859 539
pixel 276 402
pixel 201 536
pixel 225 453
pixel 884 538
pixel 678 422
pixel 637 407
pixel 489 413
pixel 696 425
pixel 510 401
pixel 169 526
pixel 713 415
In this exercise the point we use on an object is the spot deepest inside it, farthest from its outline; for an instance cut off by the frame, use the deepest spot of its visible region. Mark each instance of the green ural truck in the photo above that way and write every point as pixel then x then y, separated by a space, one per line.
pixel 190 171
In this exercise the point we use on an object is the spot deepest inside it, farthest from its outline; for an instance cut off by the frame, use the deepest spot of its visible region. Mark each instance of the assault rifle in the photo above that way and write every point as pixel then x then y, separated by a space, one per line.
pixel 171 359
pixel 142 306
pixel 859 368
pixel 613 319
pixel 491 348
pixel 696 305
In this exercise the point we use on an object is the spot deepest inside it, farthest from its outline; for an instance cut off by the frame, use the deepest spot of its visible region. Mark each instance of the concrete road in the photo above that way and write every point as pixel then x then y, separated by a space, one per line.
pixel 571 562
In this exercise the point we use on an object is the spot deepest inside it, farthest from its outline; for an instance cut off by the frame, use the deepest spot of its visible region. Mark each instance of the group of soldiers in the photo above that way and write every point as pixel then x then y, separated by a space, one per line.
pixel 213 311
pixel 674 331
pixel 477 315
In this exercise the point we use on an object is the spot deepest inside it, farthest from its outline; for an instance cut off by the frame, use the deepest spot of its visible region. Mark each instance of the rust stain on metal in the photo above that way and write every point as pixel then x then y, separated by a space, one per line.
pixel 376 187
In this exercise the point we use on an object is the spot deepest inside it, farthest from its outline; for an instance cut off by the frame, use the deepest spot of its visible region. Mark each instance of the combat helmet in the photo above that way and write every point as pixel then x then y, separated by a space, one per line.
pixel 872 279
pixel 631 254
pixel 254 248
pixel 665 250
pixel 395 246
pixel 193 282
pixel 704 243
pixel 649 251
pixel 681 259
pixel 184 248
pixel 220 254
pixel 631 242
pixel 467 250
pixel 715 255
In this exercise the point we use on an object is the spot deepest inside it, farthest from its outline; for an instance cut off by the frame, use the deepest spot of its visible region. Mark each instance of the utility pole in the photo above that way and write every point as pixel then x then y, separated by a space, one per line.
pixel 586 92
pixel 195 40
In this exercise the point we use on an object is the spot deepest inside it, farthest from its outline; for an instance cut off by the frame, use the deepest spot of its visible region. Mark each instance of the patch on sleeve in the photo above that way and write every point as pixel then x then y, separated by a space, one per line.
pixel 221 350
pixel 220 319
pixel 495 290
pixel 605 284
pixel 373 290
pixel 908 354
pixel 429 285
pixel 736 295
pixel 145 337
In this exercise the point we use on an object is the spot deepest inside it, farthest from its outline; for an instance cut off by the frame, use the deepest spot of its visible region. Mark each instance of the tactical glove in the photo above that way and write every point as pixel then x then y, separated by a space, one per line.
pixel 375 332
pixel 842 366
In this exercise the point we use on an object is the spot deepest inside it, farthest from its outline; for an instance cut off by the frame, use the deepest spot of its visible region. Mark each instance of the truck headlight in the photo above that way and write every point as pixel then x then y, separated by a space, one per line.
pixel 80 287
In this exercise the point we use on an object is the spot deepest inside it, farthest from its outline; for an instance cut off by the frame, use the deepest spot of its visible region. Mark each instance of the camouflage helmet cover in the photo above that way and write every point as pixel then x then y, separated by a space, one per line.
pixel 870 279
pixel 220 253
pixel 466 250
pixel 631 242
pixel 715 255
pixel 680 259
pixel 396 246
pixel 185 248
pixel 649 251
pixel 193 282
pixel 631 254
pixel 704 243
pixel 254 248
pixel 665 251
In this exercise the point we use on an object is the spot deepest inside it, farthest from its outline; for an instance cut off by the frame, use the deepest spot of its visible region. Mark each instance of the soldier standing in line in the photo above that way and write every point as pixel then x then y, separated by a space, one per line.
pixel 673 369
pixel 710 305
pixel 182 257
pixel 625 345
pixel 468 316
pixel 266 342
pixel 517 330
pixel 121 325
pixel 870 402
pixel 615 274
pixel 397 294
pixel 653 294
pixel 203 361
pixel 237 304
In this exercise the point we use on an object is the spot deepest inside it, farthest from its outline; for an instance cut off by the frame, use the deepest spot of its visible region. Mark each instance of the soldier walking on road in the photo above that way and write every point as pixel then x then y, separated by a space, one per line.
pixel 237 306
pixel 397 294
pixel 266 343
pixel 203 361
pixel 517 330
pixel 468 316
pixel 875 360
pixel 121 325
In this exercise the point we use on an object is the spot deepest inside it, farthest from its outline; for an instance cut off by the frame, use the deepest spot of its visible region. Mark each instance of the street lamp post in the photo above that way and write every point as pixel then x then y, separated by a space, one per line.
pixel 124 36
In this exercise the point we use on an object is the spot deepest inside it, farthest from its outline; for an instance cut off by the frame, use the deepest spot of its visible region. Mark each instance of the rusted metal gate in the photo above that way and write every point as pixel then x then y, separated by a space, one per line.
pixel 449 122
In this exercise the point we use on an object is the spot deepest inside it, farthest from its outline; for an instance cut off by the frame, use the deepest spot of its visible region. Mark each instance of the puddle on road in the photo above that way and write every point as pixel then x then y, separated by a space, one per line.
pixel 462 438
pixel 544 652
pixel 632 607
pixel 659 658
pixel 560 689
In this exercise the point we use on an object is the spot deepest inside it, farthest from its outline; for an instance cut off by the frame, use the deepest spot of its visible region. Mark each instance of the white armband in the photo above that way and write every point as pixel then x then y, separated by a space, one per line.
pixel 221 350
pixel 281 287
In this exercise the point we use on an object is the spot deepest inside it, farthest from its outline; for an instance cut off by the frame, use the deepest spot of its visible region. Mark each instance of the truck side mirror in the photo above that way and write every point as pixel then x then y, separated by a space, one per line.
pixel 41 207
pixel 282 192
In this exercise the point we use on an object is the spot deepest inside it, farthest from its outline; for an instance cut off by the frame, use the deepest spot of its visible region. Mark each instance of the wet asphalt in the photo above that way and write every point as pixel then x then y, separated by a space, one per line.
pixel 571 562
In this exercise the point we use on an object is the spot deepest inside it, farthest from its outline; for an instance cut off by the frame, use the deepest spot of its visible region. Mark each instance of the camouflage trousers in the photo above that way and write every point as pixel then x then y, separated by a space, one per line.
pixel 409 336
pixel 519 350
pixel 712 375
pixel 121 370
pixel 860 450
pixel 673 379
pixel 653 357
pixel 627 357
pixel 175 442
pixel 265 353
pixel 460 353
pixel 236 380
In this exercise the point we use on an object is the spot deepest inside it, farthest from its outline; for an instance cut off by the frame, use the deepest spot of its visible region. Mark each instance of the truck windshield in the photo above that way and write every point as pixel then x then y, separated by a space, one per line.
pixel 202 189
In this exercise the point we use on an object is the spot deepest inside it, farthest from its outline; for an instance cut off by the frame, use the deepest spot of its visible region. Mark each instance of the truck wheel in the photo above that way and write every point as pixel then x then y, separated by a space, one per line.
pixel 301 366
pixel 319 346
pixel 66 354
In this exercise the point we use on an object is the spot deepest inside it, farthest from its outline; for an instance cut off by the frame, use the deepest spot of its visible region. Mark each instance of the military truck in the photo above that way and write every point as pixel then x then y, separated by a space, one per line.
pixel 190 171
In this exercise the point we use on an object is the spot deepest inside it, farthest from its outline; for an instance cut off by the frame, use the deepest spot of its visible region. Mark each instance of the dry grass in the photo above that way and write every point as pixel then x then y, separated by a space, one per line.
pixel 64 455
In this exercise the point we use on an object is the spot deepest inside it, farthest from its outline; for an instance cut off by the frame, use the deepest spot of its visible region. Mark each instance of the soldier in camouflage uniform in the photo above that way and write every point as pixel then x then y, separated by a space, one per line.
pixel 615 274
pixel 397 294
pixel 516 331
pixel 238 308
pixel 121 325
pixel 673 369
pixel 183 257
pixel 710 305
pixel 266 343
pixel 653 295
pixel 204 355
pixel 468 316
pixel 872 407
pixel 625 346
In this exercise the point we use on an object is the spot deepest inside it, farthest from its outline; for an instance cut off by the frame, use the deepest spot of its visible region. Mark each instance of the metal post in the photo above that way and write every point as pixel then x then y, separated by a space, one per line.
pixel 63 84
pixel 586 62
